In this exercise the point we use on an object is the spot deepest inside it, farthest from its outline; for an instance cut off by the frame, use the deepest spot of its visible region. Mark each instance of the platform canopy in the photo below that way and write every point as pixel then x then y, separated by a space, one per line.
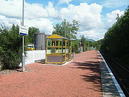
pixel 55 36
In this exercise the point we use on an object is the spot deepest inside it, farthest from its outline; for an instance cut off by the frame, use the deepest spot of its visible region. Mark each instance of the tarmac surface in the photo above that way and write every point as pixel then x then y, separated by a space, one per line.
pixel 79 78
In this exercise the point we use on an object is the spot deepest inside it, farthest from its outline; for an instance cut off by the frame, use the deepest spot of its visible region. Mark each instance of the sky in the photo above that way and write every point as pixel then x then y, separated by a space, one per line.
pixel 94 16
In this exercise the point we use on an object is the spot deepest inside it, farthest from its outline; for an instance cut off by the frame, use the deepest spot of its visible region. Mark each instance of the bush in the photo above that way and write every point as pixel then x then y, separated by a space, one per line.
pixel 116 40
pixel 10 47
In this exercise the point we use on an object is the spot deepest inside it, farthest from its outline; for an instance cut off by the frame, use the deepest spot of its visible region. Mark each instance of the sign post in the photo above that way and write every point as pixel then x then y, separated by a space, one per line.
pixel 23 31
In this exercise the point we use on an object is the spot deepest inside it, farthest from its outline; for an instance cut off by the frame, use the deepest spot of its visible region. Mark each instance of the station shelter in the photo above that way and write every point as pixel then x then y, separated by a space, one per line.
pixel 58 49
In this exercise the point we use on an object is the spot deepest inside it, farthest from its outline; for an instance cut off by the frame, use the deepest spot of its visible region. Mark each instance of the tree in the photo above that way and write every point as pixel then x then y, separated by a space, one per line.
pixel 30 37
pixel 83 42
pixel 67 29
pixel 116 40
pixel 11 45
pixel 10 48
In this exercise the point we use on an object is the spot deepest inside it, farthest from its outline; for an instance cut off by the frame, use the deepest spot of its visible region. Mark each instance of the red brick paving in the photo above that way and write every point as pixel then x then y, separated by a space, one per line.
pixel 81 78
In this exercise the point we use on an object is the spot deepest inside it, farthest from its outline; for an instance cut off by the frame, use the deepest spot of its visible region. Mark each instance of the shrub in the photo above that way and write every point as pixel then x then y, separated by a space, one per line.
pixel 10 47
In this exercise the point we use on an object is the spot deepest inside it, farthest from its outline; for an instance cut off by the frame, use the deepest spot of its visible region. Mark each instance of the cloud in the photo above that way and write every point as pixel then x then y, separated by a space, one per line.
pixel 89 17
pixel 110 18
pixel 36 15
pixel 13 8
pixel 115 3
pixel 64 1
pixel 92 23
pixel 93 34
pixel 8 21
pixel 35 11
pixel 44 24
pixel 52 12
pixel 10 8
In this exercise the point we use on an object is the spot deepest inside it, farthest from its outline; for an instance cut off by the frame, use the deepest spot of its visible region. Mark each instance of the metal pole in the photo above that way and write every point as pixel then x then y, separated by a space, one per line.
pixel 23 54
pixel 23 12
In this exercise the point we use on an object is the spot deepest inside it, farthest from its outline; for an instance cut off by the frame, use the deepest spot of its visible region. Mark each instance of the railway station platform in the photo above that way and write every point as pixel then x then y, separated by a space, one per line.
pixel 110 86
pixel 87 75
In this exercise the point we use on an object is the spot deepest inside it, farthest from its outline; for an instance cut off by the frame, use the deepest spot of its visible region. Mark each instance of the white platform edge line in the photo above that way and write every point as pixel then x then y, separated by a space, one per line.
pixel 113 77
pixel 67 63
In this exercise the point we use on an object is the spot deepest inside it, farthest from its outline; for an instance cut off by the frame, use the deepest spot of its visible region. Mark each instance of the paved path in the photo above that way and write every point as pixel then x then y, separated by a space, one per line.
pixel 80 78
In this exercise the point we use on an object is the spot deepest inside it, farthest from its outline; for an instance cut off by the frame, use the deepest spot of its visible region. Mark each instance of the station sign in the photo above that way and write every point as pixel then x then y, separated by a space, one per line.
pixel 23 30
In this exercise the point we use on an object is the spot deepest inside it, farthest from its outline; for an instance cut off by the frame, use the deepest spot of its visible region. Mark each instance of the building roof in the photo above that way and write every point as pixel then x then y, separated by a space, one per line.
pixel 55 36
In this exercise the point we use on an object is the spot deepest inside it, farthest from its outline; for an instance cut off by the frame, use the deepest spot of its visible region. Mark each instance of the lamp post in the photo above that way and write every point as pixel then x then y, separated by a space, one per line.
pixel 22 23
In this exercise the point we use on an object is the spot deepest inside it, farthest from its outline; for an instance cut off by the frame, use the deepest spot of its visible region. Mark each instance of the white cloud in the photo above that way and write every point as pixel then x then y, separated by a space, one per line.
pixel 13 8
pixel 52 12
pixel 93 34
pixel 64 1
pixel 111 17
pixel 8 21
pixel 43 17
pixel 44 24
pixel 115 3
pixel 35 14
pixel 10 8
pixel 35 11
pixel 89 17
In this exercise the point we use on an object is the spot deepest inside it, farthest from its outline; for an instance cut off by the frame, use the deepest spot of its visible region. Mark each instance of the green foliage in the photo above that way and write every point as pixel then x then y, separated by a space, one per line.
pixel 86 44
pixel 75 46
pixel 89 44
pixel 30 36
pixel 97 44
pixel 116 40
pixel 67 29
pixel 11 45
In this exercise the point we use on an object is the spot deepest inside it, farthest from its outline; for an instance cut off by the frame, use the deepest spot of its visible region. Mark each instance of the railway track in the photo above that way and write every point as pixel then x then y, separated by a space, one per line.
pixel 121 73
